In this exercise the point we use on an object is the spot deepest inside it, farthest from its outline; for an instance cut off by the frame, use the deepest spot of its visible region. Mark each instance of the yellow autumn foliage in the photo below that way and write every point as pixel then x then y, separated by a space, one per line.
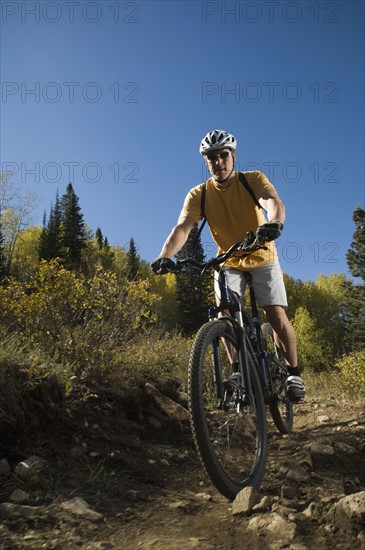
pixel 75 318
pixel 352 368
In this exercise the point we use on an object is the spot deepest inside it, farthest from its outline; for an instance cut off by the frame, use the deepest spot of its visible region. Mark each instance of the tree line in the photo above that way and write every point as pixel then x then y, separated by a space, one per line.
pixel 328 314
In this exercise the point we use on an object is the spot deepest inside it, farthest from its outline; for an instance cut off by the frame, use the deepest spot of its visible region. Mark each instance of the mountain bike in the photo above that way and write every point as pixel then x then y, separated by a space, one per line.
pixel 228 409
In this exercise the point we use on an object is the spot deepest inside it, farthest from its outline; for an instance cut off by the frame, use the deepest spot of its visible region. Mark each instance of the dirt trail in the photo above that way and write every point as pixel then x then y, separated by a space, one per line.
pixel 140 472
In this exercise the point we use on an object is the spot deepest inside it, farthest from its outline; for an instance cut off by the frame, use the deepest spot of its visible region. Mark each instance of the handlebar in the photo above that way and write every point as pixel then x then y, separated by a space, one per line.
pixel 247 246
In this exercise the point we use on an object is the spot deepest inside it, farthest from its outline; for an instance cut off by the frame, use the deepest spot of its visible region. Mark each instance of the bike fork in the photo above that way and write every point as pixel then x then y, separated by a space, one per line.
pixel 244 365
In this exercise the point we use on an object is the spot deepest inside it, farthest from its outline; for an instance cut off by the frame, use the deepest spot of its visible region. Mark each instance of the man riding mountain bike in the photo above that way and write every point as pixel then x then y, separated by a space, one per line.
pixel 234 204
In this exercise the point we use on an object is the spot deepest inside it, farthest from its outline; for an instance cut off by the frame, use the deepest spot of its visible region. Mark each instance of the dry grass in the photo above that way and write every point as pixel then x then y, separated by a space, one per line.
pixel 330 385
pixel 27 376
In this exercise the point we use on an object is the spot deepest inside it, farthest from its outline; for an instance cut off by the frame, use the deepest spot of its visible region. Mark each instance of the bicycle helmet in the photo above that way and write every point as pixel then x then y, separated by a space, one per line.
pixel 217 139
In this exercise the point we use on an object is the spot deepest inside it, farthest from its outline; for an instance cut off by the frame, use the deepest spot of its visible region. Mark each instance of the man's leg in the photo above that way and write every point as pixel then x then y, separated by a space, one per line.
pixel 236 283
pixel 285 338
pixel 270 291
pixel 284 333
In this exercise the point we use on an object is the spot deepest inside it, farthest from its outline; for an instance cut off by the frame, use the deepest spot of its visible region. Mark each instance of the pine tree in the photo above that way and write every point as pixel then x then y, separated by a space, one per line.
pixel 54 230
pixel 50 245
pixel 99 238
pixel 72 229
pixel 193 290
pixel 356 253
pixel 2 255
pixel 43 240
pixel 356 299
pixel 133 263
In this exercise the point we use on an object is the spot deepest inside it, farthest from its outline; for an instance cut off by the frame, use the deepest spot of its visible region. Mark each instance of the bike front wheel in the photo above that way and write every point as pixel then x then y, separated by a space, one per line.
pixel 281 408
pixel 229 430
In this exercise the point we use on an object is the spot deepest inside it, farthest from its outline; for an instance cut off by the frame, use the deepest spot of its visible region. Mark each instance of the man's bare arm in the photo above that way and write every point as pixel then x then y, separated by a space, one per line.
pixel 273 205
pixel 177 238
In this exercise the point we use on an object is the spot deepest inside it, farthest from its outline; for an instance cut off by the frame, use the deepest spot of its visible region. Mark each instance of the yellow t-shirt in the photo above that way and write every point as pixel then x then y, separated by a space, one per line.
pixel 231 212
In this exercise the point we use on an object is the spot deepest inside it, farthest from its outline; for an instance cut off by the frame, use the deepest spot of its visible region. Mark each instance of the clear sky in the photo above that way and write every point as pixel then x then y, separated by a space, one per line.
pixel 115 96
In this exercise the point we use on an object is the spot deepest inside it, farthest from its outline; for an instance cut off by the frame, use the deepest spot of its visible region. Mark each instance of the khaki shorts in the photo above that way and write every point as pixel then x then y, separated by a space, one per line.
pixel 267 282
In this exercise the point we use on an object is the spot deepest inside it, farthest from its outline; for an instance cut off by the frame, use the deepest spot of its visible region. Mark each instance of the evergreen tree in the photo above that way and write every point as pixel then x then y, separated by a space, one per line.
pixel 356 253
pixel 356 297
pixel 133 262
pixel 192 289
pixel 54 230
pixel 43 240
pixel 72 233
pixel 99 238
pixel 2 255
pixel 50 245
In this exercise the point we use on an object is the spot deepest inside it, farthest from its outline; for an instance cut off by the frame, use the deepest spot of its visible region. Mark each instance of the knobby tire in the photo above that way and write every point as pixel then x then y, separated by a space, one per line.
pixel 232 447
pixel 281 408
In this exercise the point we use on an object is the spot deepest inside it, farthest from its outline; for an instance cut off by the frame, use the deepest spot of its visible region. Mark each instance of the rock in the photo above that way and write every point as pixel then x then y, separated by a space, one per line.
pixel 18 496
pixel 203 496
pixel 33 465
pixel 290 491
pixel 78 450
pixel 184 506
pixel 310 510
pixel 183 398
pixel 322 419
pixel 4 467
pixel 273 524
pixel 352 485
pixel 288 445
pixel 304 459
pixel 80 507
pixel 294 472
pixel 263 505
pixel 297 473
pixel 169 407
pixel 11 510
pixel 154 423
pixel 321 449
pixel 245 501
pixel 344 448
pixel 348 514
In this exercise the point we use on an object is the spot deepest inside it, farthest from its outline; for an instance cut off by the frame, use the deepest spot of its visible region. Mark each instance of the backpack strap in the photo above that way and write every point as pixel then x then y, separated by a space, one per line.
pixel 244 182
pixel 202 199
pixel 202 211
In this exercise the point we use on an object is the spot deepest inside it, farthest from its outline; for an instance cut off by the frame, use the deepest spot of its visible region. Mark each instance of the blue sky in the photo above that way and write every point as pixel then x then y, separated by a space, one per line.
pixel 116 96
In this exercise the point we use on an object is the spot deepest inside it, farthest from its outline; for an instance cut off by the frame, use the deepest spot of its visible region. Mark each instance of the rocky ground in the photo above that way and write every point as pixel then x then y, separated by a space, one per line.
pixel 124 474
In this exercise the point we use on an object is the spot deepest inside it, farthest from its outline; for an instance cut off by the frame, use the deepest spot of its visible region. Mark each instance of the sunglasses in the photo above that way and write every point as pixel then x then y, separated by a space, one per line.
pixel 214 156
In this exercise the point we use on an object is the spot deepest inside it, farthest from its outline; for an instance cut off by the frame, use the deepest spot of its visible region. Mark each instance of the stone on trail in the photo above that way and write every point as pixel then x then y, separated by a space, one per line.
pixel 348 514
pixel 275 526
pixel 170 408
pixel 245 501
pixel 29 467
pixel 80 507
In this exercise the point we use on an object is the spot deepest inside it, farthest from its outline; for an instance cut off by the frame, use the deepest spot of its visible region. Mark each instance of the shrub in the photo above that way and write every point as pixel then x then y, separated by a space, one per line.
pixel 76 319
pixel 312 348
pixel 352 368
pixel 157 356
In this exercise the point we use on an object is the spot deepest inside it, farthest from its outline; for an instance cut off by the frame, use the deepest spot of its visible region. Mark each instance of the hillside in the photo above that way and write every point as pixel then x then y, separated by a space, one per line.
pixel 133 464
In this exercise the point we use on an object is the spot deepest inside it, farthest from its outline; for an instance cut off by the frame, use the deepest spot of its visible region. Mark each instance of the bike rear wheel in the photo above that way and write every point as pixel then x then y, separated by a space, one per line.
pixel 232 444
pixel 281 408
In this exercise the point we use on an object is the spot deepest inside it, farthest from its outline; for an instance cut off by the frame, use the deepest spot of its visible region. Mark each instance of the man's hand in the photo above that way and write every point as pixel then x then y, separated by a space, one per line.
pixel 161 266
pixel 270 231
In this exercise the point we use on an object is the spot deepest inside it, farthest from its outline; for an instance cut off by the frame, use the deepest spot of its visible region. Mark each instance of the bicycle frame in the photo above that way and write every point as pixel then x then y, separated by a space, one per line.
pixel 241 320
pixel 238 316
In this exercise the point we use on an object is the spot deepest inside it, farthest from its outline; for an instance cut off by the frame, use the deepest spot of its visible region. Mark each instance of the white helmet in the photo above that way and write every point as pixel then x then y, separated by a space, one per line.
pixel 217 139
